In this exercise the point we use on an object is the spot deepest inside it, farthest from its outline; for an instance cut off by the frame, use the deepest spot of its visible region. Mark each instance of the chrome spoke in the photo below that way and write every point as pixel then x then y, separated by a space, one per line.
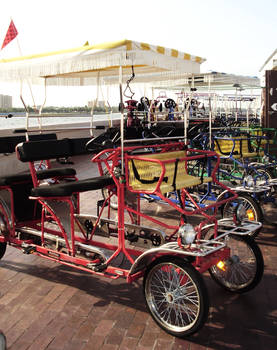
pixel 173 296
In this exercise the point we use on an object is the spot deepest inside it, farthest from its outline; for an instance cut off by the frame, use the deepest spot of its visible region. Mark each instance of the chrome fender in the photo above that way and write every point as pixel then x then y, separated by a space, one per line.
pixel 146 258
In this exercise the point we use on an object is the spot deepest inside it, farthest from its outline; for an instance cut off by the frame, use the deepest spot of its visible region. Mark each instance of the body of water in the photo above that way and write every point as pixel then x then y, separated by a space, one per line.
pixel 18 120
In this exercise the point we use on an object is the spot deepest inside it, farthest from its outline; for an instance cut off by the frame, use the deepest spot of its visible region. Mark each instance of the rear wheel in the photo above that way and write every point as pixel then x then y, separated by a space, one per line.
pixel 3 246
pixel 3 232
pixel 244 268
pixel 113 199
pixel 250 207
pixel 176 296
pixel 3 341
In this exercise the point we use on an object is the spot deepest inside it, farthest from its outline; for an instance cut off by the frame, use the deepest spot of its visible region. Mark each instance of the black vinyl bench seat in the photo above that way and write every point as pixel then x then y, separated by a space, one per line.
pixel 67 189
pixel 51 149
pixel 8 143
pixel 9 180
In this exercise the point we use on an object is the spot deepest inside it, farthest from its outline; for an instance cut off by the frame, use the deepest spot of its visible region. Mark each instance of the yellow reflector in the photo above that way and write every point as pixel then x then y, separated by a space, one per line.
pixel 250 214
pixel 221 265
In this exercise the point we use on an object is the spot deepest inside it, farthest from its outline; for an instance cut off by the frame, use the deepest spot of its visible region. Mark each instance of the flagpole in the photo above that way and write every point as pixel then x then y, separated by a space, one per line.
pixel 30 88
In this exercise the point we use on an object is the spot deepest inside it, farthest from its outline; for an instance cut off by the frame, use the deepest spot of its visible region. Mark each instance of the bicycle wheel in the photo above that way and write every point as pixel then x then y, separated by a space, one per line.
pixel 266 175
pixel 250 206
pixel 113 199
pixel 3 228
pixel 176 296
pixel 3 246
pixel 3 341
pixel 243 269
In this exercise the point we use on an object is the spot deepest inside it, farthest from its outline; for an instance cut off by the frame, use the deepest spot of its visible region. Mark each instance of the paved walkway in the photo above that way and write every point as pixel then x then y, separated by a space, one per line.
pixel 44 305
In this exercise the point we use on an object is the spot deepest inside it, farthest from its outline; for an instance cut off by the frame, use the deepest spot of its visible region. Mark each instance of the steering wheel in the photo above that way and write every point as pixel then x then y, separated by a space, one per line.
pixel 145 104
pixel 108 139
pixel 169 103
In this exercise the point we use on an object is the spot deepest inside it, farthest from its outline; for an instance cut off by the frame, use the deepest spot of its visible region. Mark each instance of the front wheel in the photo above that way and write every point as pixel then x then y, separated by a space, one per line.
pixel 250 207
pixel 3 246
pixel 176 296
pixel 244 269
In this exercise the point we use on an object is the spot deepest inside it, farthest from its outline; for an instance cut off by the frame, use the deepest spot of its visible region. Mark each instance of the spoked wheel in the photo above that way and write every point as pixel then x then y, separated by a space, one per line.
pixel 105 194
pixel 266 175
pixel 244 268
pixel 113 199
pixel 249 208
pixel 3 246
pixel 3 341
pixel 3 231
pixel 176 296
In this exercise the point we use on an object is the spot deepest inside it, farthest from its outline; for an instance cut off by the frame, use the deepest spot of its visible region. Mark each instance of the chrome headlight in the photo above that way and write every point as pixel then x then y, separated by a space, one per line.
pixel 249 181
pixel 187 234
pixel 240 212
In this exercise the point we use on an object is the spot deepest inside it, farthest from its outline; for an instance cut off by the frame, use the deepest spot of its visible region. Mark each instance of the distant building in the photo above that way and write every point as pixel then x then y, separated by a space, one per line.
pixel 100 104
pixel 6 101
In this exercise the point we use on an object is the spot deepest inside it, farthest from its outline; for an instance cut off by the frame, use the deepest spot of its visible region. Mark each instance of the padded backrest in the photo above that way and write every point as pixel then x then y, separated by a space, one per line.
pixel 78 145
pixel 43 150
pixel 8 143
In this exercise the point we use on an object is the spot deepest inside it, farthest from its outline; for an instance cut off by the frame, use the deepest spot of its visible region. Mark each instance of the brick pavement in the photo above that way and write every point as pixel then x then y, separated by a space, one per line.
pixel 44 305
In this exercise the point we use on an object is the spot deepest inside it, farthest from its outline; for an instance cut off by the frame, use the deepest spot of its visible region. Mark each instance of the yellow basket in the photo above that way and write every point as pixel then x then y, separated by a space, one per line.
pixel 224 147
pixel 149 168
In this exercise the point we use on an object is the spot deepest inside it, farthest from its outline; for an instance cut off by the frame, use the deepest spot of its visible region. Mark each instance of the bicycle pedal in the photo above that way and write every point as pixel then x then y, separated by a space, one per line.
pixel 98 267
pixel 28 249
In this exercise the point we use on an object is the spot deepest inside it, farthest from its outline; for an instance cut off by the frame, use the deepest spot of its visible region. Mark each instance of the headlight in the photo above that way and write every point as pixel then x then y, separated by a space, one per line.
pixel 187 234
pixel 240 212
pixel 249 181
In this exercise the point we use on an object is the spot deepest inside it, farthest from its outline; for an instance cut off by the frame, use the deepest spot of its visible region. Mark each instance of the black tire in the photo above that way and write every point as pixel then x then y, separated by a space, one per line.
pixel 251 206
pixel 176 296
pixel 3 341
pixel 244 269
pixel 267 174
pixel 3 247
pixel 105 194
pixel 3 232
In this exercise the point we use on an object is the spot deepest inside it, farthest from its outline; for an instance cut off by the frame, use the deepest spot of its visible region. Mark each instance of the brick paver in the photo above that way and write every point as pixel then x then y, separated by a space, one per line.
pixel 46 306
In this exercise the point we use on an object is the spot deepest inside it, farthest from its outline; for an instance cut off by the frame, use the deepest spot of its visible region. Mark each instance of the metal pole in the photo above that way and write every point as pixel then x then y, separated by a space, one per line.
pixel 121 120
pixel 210 114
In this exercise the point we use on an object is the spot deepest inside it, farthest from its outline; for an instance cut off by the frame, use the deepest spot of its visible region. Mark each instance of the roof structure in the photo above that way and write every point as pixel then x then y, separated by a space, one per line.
pixel 87 64
pixel 270 63
pixel 212 80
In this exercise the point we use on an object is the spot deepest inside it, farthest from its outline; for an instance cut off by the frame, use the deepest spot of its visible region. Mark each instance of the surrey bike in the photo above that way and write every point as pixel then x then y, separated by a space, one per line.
pixel 170 257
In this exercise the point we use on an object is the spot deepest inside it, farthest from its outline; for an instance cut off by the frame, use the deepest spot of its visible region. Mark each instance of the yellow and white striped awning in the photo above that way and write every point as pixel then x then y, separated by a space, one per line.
pixel 86 64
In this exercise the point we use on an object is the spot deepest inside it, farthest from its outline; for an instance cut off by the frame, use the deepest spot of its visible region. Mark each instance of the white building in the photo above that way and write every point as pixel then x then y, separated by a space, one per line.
pixel 5 101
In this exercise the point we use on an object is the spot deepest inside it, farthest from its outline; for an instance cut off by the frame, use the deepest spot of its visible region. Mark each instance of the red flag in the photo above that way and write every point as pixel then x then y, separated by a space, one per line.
pixel 11 34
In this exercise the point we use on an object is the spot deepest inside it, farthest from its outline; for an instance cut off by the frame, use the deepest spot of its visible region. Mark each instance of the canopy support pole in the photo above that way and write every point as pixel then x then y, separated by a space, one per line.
pixel 26 109
pixel 210 114
pixel 121 120
pixel 42 106
pixel 94 104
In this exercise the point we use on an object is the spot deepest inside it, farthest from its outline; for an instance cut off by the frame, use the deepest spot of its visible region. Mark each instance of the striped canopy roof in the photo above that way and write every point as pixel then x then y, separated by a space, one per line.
pixel 87 64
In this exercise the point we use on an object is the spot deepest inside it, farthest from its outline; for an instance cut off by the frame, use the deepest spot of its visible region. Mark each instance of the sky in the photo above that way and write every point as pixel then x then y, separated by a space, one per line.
pixel 235 36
